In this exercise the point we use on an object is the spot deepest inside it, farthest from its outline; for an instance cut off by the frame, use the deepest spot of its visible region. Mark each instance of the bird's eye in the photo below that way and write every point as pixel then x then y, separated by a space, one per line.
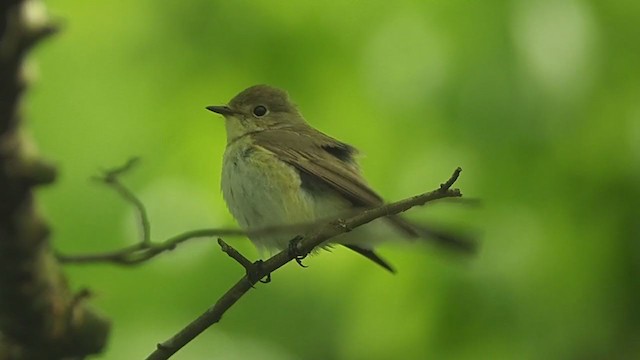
pixel 259 111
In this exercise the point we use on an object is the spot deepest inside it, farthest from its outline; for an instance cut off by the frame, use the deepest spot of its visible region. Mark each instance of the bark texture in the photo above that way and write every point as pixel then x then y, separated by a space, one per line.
pixel 40 318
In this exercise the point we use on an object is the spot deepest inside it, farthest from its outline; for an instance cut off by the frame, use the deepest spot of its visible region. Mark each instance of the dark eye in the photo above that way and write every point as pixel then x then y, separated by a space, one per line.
pixel 259 111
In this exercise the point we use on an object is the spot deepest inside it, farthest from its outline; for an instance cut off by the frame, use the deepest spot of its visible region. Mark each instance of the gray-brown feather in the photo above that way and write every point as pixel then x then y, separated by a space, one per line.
pixel 314 154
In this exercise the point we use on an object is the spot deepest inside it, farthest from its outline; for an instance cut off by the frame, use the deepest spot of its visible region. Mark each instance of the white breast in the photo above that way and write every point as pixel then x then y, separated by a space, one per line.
pixel 262 191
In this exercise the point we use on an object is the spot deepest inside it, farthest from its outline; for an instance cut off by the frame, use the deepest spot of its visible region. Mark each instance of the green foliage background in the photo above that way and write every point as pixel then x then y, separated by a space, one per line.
pixel 538 101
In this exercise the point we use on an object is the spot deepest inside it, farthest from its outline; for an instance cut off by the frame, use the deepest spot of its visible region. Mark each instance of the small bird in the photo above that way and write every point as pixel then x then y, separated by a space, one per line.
pixel 278 170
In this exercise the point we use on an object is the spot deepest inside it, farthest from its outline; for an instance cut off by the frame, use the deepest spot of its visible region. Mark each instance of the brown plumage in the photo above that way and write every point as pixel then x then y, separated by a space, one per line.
pixel 262 120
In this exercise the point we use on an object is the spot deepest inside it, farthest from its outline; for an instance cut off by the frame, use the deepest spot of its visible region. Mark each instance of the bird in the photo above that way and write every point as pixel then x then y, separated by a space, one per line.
pixel 278 170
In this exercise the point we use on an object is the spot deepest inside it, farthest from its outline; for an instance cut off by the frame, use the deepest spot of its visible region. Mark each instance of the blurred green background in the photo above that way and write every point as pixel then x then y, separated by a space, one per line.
pixel 538 102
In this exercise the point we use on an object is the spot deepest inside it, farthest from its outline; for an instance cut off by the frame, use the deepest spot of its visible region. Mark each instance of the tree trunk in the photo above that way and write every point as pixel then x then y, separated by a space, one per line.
pixel 39 316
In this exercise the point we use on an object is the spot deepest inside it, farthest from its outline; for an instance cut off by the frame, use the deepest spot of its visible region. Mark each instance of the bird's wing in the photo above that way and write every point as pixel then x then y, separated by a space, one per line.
pixel 314 154
pixel 329 161
pixel 323 158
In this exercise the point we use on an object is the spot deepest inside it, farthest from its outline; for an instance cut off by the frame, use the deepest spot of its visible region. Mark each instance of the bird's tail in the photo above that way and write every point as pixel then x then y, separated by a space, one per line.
pixel 445 238
pixel 371 255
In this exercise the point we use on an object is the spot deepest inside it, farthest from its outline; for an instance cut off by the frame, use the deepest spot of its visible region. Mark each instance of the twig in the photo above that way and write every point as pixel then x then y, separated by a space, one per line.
pixel 140 252
pixel 317 233
pixel 147 249
pixel 212 315
pixel 454 177
pixel 252 269
pixel 234 254
pixel 111 177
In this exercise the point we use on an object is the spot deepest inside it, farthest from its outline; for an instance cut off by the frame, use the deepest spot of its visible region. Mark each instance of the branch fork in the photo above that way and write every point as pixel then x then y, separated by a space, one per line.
pixel 313 235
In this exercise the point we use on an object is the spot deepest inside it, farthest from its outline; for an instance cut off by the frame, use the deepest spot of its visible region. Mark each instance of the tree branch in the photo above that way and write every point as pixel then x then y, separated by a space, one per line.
pixel 317 233
pixel 146 249
pixel 303 247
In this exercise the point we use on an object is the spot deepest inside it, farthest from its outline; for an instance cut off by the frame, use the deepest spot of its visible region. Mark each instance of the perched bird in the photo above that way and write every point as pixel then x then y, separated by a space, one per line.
pixel 278 170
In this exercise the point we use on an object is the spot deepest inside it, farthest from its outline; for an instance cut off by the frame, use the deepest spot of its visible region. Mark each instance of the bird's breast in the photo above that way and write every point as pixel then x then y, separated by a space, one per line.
pixel 262 191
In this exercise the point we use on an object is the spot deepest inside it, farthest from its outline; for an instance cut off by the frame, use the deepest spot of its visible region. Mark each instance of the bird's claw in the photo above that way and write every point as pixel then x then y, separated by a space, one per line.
pixel 293 251
pixel 299 259
pixel 253 273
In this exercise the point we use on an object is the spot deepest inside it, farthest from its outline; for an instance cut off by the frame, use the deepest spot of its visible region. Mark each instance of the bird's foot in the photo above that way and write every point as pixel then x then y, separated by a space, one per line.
pixel 293 251
pixel 254 271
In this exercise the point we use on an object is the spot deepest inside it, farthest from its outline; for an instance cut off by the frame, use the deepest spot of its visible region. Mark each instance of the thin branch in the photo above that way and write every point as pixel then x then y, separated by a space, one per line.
pixel 212 315
pixel 235 254
pixel 140 252
pixel 252 269
pixel 147 249
pixel 317 233
pixel 454 177
pixel 143 251
pixel 111 177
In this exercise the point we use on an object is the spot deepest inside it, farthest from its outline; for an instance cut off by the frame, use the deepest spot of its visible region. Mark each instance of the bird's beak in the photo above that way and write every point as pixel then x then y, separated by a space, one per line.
pixel 222 110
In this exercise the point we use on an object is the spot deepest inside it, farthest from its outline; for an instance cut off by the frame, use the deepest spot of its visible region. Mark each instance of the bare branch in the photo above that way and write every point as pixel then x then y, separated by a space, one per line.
pixel 303 247
pixel 147 249
pixel 317 233
pixel 454 177
pixel 235 254
pixel 140 252
pixel 111 178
